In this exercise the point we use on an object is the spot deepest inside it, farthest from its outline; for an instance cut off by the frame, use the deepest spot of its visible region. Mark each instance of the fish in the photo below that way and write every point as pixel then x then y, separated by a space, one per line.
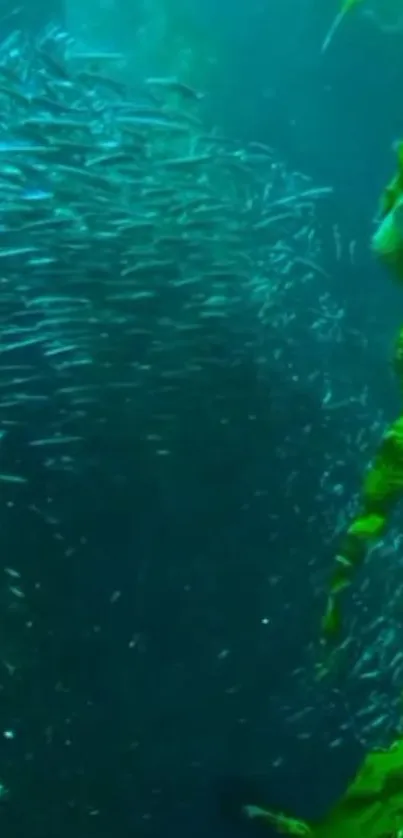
pixel 134 238
pixel 149 273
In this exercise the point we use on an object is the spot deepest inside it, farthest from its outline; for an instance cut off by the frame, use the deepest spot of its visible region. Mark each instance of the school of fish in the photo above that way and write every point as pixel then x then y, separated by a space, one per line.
pixel 133 243
pixel 144 257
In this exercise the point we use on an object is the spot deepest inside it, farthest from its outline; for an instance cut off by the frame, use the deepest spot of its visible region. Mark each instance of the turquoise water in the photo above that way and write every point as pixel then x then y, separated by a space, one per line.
pixel 163 574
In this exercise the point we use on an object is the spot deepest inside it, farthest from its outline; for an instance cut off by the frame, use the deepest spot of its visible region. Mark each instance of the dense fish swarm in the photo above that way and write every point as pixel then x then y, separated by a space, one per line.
pixel 133 242
pixel 145 263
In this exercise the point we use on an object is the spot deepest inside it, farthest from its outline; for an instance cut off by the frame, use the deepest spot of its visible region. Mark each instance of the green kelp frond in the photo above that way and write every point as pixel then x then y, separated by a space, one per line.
pixel 387 241
pixel 371 806
pixel 282 823
pixel 393 192
pixel 346 7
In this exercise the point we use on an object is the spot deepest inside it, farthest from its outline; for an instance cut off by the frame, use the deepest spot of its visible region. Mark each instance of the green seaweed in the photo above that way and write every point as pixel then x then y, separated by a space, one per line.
pixel 346 7
pixel 371 806
pixel 382 485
